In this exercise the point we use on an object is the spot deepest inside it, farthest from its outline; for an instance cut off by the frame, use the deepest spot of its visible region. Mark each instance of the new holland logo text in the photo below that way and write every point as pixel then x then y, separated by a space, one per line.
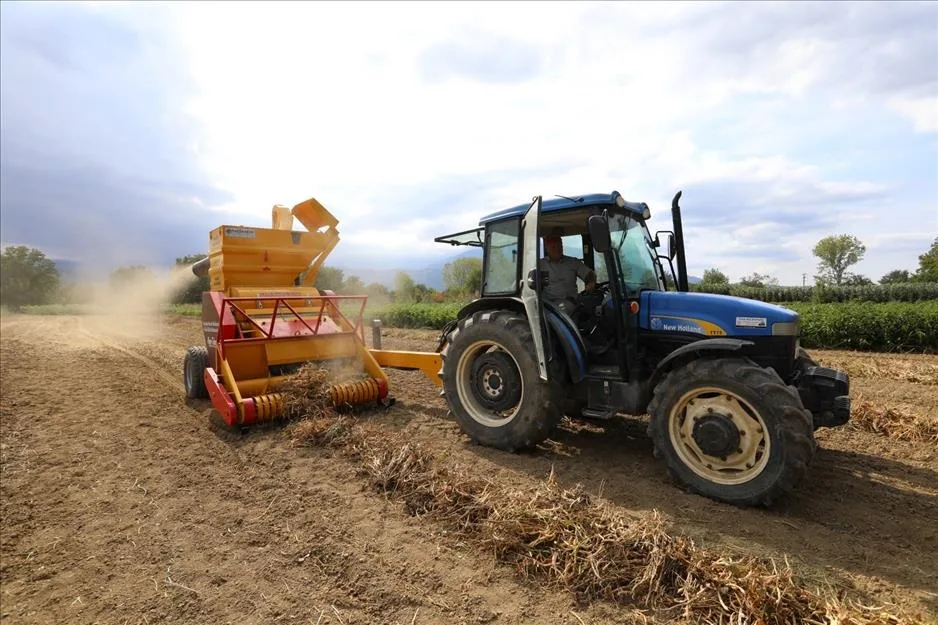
pixel 666 324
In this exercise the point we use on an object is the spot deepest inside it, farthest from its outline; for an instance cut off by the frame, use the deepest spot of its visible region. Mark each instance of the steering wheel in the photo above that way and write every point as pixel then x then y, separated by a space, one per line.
pixel 599 289
pixel 589 300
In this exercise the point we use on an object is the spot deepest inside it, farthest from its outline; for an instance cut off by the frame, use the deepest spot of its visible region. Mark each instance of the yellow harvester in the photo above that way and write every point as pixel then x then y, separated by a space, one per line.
pixel 263 319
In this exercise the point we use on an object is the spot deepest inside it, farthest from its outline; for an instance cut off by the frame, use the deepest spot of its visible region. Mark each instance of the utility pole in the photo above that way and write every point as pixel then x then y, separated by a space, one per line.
pixel 803 276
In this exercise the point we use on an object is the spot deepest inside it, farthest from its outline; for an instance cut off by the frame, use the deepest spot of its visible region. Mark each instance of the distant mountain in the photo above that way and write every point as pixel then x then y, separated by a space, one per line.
pixel 431 275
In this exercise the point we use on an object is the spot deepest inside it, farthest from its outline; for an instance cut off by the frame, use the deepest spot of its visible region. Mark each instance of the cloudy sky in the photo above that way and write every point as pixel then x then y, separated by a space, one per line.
pixel 129 130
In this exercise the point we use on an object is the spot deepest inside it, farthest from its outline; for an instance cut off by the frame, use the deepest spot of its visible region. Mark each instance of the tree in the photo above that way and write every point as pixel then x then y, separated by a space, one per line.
pixel 855 279
pixel 928 264
pixel 353 286
pixel 758 280
pixel 896 276
pixel 713 277
pixel 191 291
pixel 27 277
pixel 377 291
pixel 404 287
pixel 463 276
pixel 330 279
pixel 837 253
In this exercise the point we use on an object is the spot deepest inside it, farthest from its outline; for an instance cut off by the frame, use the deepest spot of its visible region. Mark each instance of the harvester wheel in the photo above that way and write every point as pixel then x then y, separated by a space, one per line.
pixel 491 382
pixel 194 372
pixel 732 431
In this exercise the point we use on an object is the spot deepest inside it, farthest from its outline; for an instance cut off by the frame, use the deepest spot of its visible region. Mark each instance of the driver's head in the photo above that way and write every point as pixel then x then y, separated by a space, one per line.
pixel 553 245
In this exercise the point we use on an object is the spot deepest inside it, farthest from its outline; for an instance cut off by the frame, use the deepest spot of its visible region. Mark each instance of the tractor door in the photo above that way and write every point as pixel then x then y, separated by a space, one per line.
pixel 532 281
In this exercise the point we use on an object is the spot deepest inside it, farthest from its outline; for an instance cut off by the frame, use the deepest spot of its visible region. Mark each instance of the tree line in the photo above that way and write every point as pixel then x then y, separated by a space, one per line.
pixel 462 278
pixel 836 254
pixel 29 278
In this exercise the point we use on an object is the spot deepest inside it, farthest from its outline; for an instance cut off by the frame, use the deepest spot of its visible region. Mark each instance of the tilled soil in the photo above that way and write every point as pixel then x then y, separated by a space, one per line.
pixel 124 503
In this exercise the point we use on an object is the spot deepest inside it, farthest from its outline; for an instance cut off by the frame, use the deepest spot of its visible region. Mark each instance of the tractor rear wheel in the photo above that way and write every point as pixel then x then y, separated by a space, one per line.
pixel 732 431
pixel 491 382
pixel 194 372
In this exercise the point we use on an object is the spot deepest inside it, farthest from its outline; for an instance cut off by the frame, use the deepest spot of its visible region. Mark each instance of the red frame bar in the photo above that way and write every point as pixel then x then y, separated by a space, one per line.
pixel 329 300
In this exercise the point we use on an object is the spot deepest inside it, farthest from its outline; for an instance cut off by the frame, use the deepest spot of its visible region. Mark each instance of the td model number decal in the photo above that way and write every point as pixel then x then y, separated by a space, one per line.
pixel 751 322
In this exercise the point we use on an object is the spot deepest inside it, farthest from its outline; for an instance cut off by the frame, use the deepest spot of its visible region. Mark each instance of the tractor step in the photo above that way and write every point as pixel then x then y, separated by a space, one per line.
pixel 603 414
pixel 604 371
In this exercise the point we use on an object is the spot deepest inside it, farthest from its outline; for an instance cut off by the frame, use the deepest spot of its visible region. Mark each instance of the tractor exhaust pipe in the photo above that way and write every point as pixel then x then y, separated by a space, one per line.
pixel 679 243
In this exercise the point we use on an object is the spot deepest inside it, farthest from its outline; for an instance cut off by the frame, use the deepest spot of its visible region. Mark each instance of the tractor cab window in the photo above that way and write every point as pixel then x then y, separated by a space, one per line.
pixel 501 258
pixel 631 242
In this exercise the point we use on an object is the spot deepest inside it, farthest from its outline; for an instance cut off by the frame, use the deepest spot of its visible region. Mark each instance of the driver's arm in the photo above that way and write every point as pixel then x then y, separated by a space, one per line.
pixel 587 275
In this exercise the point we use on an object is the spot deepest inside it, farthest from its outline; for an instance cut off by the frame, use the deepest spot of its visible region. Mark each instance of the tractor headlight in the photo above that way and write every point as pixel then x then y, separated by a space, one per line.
pixel 646 213
pixel 620 201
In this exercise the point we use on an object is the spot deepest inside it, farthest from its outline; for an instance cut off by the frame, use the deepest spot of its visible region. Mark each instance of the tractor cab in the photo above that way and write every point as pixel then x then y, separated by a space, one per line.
pixel 627 262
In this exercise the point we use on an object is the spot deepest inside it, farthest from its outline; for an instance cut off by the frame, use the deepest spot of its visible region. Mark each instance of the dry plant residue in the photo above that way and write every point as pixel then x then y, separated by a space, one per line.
pixel 567 538
pixel 893 423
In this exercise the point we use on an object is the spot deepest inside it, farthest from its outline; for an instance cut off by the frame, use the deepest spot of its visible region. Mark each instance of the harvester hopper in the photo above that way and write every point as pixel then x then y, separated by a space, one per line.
pixel 263 319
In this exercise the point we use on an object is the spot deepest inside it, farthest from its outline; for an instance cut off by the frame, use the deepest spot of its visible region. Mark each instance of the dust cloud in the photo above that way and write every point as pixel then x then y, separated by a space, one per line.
pixel 133 309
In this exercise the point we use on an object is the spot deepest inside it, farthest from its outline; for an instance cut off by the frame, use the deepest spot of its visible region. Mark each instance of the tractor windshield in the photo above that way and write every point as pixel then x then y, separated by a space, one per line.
pixel 632 243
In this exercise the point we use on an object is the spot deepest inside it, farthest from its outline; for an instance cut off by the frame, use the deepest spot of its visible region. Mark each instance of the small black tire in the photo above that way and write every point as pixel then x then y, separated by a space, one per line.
pixel 193 377
pixel 759 404
pixel 474 402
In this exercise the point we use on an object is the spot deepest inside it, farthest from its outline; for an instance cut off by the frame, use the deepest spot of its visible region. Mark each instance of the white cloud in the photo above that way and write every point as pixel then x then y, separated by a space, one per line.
pixel 922 111
pixel 356 103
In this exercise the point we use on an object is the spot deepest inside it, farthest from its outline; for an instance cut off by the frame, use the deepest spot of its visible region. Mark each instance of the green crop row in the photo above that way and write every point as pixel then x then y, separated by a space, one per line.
pixel 432 316
pixel 906 292
pixel 890 326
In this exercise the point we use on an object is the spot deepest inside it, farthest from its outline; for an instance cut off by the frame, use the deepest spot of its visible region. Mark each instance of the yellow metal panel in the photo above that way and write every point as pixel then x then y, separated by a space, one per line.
pixel 427 362
pixel 303 349
pixel 251 256
pixel 314 215
pixel 246 360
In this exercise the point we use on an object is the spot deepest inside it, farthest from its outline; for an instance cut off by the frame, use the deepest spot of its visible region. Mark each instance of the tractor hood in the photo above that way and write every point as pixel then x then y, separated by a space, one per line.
pixel 714 315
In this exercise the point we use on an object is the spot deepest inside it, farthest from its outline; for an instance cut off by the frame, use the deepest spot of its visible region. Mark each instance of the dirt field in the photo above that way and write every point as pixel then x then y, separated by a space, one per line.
pixel 121 503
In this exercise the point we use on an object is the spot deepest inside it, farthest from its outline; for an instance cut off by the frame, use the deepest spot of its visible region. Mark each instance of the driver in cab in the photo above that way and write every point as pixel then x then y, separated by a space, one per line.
pixel 562 274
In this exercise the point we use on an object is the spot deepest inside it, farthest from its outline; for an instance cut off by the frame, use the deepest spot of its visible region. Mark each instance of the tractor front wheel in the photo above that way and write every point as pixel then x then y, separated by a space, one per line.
pixel 491 382
pixel 194 372
pixel 732 431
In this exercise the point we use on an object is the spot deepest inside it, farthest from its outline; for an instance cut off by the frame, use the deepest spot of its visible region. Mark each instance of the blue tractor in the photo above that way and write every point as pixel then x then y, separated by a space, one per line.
pixel 733 399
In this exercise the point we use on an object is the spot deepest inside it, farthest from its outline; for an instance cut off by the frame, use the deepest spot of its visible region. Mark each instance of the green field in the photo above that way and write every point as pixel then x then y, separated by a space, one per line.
pixel 864 326
pixel 857 325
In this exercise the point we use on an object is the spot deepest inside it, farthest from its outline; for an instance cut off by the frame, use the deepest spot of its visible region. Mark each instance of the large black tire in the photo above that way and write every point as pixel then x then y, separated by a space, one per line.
pixel 194 372
pixel 698 406
pixel 490 368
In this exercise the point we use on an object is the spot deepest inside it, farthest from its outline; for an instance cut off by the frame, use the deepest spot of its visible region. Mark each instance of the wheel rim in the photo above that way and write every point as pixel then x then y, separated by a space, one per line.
pixel 480 388
pixel 705 419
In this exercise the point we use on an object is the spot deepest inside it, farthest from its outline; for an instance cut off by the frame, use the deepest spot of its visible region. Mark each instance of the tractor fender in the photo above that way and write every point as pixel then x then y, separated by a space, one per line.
pixel 574 350
pixel 685 353
pixel 562 329
pixel 513 304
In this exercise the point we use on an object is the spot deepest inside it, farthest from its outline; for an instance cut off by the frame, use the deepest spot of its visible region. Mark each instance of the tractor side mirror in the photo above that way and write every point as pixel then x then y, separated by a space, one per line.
pixel 669 239
pixel 532 280
pixel 599 234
